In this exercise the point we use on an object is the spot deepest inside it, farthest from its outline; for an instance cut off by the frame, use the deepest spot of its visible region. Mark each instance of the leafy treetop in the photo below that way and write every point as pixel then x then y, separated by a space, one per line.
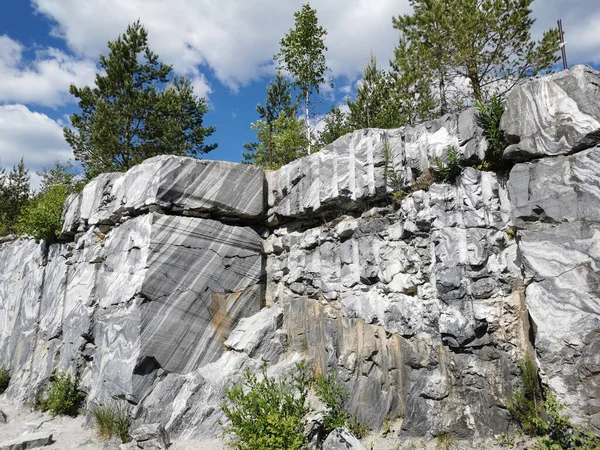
pixel 137 110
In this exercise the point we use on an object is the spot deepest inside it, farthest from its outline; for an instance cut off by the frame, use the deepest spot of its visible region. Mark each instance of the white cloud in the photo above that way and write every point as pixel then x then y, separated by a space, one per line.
pixel 31 135
pixel 581 22
pixel 45 80
pixel 236 39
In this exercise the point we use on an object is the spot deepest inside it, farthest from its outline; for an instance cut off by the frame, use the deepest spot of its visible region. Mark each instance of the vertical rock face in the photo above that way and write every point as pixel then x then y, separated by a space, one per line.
pixel 181 274
pixel 351 172
pixel 138 292
pixel 417 311
pixel 21 279
pixel 560 217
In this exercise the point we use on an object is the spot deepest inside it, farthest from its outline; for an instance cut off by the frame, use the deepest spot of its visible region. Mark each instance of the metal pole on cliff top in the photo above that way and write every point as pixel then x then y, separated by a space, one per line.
pixel 563 51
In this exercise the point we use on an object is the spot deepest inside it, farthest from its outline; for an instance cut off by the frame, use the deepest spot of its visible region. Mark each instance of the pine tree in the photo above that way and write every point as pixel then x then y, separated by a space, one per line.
pixel 487 42
pixel 15 193
pixel 410 90
pixel 278 103
pixel 129 116
pixel 336 124
pixel 302 54
pixel 375 105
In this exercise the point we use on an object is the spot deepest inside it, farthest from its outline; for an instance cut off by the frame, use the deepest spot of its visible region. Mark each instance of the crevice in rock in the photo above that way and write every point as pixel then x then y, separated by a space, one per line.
pixel 146 366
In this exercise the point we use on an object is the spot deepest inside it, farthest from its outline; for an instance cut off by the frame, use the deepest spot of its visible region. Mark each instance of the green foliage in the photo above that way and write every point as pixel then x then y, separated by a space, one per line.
pixel 331 392
pixel 41 217
pixel 486 42
pixel 278 143
pixel 544 417
pixel 127 118
pixel 561 434
pixel 376 104
pixel 302 55
pixel 360 430
pixel 336 125
pixel 450 169
pixel 112 420
pixel 62 396
pixel 14 196
pixel 527 405
pixel 268 413
pixel 488 117
pixel 4 379
pixel 279 133
pixel 61 174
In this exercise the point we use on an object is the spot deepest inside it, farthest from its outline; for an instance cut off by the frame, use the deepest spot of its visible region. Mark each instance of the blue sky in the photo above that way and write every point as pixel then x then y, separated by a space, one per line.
pixel 224 46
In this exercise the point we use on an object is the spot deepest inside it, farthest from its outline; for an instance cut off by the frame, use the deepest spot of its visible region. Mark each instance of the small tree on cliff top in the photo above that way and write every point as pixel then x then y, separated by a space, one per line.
pixel 130 115
pixel 302 54
pixel 487 42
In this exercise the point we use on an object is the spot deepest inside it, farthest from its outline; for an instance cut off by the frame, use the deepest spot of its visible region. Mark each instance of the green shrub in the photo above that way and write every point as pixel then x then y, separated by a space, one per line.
pixel 360 430
pixel 4 379
pixel 450 169
pixel 268 414
pixel 42 216
pixel 526 406
pixel 62 396
pixel 334 395
pixel 112 420
pixel 540 414
pixel 488 118
pixel 561 433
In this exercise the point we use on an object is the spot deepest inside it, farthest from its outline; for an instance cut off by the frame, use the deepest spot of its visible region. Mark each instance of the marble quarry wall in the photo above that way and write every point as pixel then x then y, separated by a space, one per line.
pixel 174 277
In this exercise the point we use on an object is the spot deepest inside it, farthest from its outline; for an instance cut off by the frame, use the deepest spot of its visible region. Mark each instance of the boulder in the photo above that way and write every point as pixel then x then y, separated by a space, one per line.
pixel 342 439
pixel 185 186
pixel 27 441
pixel 554 115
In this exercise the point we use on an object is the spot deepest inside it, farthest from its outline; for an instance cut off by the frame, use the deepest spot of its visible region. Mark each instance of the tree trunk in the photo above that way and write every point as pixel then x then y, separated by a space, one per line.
pixel 443 101
pixel 307 121
pixel 473 77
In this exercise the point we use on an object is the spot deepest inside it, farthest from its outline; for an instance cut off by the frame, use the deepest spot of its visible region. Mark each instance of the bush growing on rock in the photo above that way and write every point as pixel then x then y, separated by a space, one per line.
pixel 334 395
pixel 268 413
pixel 62 396
pixel 540 414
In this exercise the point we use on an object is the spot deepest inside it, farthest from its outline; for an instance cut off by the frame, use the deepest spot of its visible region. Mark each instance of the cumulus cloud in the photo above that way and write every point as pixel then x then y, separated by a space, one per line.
pixel 44 80
pixel 235 39
pixel 31 135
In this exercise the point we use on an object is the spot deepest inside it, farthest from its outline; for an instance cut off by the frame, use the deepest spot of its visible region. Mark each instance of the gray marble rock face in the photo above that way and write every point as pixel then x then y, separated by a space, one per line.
pixel 184 186
pixel 553 115
pixel 341 439
pixel 553 190
pixel 169 290
pixel 355 169
pixel 21 276
pixel 412 310
pixel 422 310
pixel 556 201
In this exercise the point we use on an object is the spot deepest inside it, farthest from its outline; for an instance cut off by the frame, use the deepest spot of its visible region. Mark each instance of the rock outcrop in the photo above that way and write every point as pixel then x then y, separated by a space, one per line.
pixel 178 275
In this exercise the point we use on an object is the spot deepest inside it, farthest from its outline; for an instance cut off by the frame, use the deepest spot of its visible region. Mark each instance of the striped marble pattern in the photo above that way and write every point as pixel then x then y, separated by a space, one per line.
pixel 351 170
pixel 169 291
pixel 554 115
pixel 21 276
pixel 560 189
pixel 184 186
